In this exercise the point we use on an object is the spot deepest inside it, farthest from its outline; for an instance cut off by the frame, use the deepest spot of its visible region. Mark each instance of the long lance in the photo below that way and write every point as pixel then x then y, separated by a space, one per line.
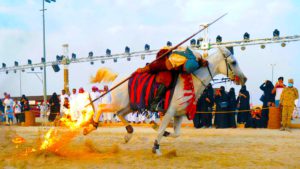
pixel 164 54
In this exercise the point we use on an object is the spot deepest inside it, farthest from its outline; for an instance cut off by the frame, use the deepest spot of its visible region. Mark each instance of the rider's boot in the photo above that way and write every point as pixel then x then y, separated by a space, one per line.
pixel 155 106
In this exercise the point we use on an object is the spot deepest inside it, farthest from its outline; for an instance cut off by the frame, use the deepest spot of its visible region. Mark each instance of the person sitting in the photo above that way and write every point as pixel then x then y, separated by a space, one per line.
pixel 181 60
pixel 256 116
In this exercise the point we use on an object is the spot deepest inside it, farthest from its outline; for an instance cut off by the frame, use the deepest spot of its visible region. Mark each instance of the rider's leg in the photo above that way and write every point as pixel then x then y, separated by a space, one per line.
pixel 161 90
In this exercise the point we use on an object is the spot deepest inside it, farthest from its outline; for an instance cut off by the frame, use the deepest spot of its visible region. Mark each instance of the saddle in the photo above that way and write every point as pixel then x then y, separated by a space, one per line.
pixel 142 90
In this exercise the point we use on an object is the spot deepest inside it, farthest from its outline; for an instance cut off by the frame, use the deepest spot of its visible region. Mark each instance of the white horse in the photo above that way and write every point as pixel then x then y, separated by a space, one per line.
pixel 220 62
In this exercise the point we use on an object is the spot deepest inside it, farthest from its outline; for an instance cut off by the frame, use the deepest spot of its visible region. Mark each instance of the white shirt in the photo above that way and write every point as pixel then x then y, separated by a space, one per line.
pixel 73 97
pixel 278 93
pixel 62 98
pixel 106 99
pixel 95 95
pixel 8 102
pixel 17 108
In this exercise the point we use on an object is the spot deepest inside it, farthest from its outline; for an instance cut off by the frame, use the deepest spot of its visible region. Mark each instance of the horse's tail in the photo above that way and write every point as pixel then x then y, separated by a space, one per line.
pixel 104 75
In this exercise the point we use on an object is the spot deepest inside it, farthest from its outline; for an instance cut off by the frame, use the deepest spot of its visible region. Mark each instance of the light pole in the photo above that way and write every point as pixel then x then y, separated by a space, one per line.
pixel 20 83
pixel 273 65
pixel 44 53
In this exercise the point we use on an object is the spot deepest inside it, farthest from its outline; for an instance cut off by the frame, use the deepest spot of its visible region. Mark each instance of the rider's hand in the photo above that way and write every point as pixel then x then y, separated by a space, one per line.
pixel 143 70
pixel 204 62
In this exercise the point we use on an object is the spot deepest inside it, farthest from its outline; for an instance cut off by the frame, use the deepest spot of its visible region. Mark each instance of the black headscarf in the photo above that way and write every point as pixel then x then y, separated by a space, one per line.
pixel 243 88
pixel 244 102
pixel 54 99
pixel 267 87
pixel 232 99
pixel 231 92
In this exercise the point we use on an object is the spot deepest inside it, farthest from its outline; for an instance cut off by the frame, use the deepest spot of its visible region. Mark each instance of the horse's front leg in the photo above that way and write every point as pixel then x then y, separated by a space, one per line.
pixel 162 128
pixel 94 122
pixel 177 127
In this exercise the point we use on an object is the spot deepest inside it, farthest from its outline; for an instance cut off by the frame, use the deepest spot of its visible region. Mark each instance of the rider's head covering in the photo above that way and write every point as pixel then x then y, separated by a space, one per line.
pixel 81 90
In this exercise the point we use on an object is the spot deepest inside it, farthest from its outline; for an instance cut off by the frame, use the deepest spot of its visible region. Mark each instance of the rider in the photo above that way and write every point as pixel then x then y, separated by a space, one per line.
pixel 182 59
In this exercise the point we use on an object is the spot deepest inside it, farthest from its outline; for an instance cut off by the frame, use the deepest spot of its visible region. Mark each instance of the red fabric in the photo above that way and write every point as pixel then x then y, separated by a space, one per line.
pixel 148 91
pixel 161 52
pixel 81 90
pixel 141 84
pixel 164 78
pixel 188 85
pixel 167 100
pixel 132 89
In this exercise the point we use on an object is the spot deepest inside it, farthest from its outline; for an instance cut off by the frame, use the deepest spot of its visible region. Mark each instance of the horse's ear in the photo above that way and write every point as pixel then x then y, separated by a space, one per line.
pixel 230 48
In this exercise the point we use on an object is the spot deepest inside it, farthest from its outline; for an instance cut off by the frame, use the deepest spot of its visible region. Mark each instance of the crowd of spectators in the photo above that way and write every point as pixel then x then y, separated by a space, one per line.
pixel 215 107
pixel 13 111
pixel 223 109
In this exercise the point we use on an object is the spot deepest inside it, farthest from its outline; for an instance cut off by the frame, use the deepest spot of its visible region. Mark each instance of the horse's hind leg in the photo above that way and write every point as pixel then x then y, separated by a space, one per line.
pixel 121 114
pixel 94 123
pixel 162 128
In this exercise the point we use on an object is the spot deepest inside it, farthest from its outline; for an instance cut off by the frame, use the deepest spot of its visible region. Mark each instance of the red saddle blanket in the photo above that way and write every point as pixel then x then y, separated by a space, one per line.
pixel 142 90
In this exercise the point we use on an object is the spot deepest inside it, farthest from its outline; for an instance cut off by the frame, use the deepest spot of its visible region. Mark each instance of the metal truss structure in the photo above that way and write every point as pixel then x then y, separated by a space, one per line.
pixel 202 45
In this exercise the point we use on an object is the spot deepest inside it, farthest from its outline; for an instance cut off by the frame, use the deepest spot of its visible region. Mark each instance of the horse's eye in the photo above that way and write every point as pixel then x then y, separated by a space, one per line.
pixel 233 62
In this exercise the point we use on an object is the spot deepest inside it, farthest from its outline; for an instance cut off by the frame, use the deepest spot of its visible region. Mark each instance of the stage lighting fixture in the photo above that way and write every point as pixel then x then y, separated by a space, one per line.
pixel 91 54
pixel 169 43
pixel 219 39
pixel 193 42
pixel 147 47
pixel 127 50
pixel 246 36
pixel 108 52
pixel 276 33
pixel 73 56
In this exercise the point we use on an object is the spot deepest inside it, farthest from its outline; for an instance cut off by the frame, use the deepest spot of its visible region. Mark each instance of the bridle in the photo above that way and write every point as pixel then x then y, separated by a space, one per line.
pixel 228 67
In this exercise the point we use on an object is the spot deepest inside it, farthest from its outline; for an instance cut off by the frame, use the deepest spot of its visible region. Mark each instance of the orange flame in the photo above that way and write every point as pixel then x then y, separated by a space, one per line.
pixel 52 141
pixel 18 140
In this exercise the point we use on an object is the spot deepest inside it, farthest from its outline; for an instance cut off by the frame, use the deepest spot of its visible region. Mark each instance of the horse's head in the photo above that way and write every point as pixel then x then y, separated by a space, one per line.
pixel 229 66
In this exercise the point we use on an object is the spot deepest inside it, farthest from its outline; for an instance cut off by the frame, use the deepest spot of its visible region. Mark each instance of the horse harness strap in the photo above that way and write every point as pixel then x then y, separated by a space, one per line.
pixel 210 73
pixel 227 64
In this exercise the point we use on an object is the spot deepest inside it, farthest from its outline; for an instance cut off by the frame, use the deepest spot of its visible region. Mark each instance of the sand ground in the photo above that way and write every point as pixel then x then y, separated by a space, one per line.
pixel 195 148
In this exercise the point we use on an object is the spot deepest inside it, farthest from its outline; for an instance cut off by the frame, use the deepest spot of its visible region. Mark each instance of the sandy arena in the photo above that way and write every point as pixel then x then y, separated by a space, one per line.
pixel 195 148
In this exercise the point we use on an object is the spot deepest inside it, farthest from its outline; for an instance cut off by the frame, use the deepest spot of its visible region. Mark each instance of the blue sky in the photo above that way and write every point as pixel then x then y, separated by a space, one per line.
pixel 96 25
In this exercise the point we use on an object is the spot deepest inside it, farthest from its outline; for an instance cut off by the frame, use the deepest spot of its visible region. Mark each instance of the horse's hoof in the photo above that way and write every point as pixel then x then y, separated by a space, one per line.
pixel 127 137
pixel 156 151
pixel 89 129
